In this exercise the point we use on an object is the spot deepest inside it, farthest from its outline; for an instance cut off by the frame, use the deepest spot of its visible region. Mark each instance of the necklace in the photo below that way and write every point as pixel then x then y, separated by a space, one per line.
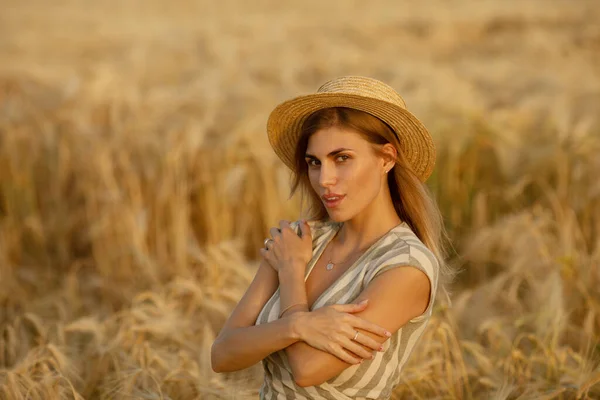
pixel 331 264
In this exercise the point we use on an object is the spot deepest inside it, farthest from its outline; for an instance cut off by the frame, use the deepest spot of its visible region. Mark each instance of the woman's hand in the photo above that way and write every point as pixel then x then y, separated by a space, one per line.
pixel 287 250
pixel 332 329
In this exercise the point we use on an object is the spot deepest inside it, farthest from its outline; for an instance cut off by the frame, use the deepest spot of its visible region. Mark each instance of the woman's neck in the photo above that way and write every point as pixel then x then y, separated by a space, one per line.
pixel 361 231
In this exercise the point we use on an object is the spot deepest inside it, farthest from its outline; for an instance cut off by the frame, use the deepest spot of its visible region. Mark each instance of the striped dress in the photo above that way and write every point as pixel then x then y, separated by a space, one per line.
pixel 375 378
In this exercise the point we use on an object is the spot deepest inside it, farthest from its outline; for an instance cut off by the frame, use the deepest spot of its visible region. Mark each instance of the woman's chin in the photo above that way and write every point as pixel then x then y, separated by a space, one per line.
pixel 336 216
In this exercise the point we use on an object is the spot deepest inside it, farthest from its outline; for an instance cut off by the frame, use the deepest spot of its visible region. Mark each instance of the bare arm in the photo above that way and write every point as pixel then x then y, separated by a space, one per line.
pixel 293 290
pixel 395 297
pixel 240 344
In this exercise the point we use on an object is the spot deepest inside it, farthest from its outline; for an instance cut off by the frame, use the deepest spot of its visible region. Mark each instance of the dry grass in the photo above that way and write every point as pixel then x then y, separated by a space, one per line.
pixel 137 184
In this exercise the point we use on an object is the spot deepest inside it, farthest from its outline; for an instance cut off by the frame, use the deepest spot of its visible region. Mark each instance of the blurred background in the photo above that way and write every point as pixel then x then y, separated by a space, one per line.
pixel 137 185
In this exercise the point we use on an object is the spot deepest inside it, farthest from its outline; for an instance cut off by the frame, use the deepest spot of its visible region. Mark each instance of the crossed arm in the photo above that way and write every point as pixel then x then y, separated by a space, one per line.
pixel 395 296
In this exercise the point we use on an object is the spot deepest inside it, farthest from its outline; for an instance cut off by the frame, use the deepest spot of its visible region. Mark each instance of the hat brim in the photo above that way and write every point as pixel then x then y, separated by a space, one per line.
pixel 285 122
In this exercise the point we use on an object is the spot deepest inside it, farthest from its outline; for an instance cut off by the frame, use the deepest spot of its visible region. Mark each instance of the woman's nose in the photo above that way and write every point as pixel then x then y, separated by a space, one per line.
pixel 327 175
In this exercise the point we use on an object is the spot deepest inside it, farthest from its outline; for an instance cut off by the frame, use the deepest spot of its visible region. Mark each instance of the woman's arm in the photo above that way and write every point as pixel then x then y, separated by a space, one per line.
pixel 240 343
pixel 395 297
pixel 293 290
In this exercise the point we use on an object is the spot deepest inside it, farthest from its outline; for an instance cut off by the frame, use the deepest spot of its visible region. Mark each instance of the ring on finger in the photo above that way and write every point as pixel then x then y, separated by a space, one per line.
pixel 266 243
pixel 355 336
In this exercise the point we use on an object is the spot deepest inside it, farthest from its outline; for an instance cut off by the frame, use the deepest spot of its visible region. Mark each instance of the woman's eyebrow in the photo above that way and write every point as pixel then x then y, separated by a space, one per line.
pixel 332 153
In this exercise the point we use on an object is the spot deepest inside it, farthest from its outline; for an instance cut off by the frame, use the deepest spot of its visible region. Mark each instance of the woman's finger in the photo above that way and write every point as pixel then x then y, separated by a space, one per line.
pixel 350 307
pixel 356 348
pixel 343 355
pixel 266 255
pixel 274 232
pixel 365 340
pixel 305 232
pixel 369 326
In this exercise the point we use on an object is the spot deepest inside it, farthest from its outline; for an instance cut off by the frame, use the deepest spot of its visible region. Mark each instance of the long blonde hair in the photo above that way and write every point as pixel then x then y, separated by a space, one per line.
pixel 412 199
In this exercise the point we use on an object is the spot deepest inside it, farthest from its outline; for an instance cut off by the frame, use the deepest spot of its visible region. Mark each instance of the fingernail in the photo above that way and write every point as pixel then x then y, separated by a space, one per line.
pixel 388 334
pixel 380 348
pixel 364 301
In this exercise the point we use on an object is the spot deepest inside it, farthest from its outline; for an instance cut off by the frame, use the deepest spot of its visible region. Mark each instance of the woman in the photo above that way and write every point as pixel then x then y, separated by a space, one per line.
pixel 339 301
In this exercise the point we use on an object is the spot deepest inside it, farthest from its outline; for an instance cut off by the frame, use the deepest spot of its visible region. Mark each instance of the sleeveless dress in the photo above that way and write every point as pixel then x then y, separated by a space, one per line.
pixel 371 379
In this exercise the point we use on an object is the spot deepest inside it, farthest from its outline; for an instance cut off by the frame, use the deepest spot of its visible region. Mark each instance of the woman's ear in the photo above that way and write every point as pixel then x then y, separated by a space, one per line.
pixel 389 157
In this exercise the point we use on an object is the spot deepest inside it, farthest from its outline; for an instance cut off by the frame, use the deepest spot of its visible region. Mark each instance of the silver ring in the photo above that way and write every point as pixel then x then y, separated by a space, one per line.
pixel 266 242
pixel 355 336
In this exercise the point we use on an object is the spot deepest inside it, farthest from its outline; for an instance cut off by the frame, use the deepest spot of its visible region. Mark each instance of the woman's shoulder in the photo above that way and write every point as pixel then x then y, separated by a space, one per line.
pixel 406 239
pixel 402 247
pixel 317 227
pixel 406 249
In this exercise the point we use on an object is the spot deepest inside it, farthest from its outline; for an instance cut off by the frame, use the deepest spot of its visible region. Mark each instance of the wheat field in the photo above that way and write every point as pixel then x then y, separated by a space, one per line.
pixel 137 185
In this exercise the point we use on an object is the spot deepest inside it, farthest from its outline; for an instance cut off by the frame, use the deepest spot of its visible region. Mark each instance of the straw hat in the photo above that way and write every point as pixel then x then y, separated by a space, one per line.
pixel 360 93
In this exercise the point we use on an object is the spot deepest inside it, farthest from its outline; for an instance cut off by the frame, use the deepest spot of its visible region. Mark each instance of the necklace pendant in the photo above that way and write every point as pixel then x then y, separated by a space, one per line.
pixel 329 266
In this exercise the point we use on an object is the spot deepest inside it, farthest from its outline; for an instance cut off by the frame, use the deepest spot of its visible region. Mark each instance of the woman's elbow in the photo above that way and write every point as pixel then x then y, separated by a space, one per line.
pixel 215 362
pixel 304 380
pixel 308 373
pixel 213 359
pixel 302 376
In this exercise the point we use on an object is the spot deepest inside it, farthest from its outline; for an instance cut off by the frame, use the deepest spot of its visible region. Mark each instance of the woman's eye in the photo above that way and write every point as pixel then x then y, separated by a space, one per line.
pixel 311 164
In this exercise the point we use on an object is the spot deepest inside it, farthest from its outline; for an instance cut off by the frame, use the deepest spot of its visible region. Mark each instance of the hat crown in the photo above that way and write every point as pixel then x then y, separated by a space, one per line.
pixel 363 86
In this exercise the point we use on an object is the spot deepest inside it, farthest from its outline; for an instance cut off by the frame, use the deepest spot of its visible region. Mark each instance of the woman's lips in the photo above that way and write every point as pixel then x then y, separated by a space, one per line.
pixel 334 203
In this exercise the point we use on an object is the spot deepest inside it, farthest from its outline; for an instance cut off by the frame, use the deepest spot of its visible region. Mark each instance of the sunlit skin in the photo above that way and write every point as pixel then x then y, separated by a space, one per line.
pixel 367 210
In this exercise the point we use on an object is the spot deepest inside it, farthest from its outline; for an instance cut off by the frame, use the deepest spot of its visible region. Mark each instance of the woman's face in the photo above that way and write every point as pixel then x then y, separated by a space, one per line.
pixel 341 162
